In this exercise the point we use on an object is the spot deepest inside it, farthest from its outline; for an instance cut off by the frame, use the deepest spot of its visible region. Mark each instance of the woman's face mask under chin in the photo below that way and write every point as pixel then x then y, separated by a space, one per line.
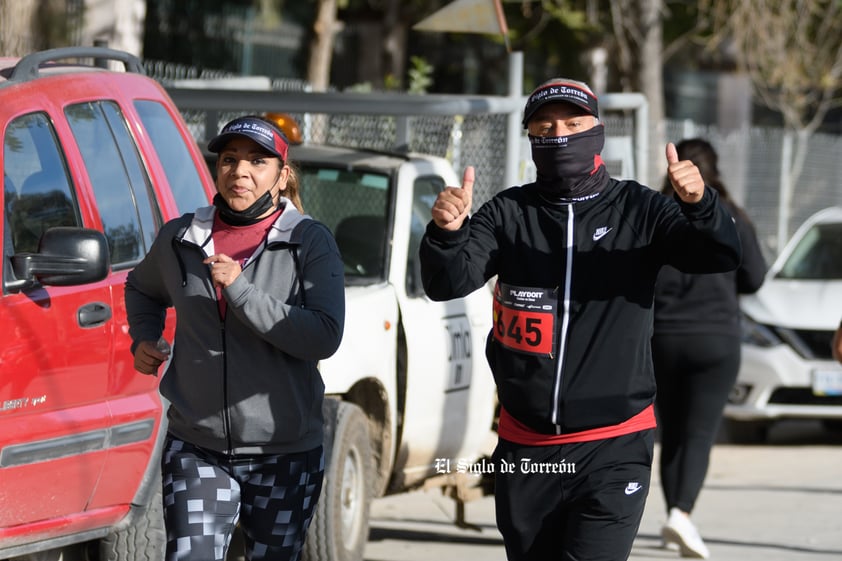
pixel 250 215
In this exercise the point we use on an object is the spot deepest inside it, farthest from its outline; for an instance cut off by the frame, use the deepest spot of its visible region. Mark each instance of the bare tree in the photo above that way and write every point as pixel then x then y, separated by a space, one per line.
pixel 792 52
pixel 32 25
pixel 394 40
pixel 638 32
pixel 16 22
pixel 321 47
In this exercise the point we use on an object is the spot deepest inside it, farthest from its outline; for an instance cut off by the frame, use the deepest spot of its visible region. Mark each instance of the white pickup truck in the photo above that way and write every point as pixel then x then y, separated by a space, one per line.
pixel 412 398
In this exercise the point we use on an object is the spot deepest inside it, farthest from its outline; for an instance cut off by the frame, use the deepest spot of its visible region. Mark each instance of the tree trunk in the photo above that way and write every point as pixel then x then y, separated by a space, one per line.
pixel 394 42
pixel 321 47
pixel 638 31
pixel 16 27
pixel 120 26
pixel 651 83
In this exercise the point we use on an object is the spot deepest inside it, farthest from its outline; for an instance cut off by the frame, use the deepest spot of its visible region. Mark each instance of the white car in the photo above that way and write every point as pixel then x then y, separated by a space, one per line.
pixel 787 370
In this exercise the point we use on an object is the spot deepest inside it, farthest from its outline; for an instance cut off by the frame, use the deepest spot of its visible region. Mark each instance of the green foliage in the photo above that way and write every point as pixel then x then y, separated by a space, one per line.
pixel 553 34
pixel 420 75
pixel 269 12
pixel 566 14
pixel 392 82
pixel 362 87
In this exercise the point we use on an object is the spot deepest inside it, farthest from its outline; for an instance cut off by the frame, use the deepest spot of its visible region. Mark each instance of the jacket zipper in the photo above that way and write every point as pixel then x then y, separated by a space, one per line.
pixel 565 320
pixel 226 414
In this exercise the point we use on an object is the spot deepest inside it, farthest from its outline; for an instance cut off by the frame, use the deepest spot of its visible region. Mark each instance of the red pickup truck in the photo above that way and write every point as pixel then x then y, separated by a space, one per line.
pixel 94 161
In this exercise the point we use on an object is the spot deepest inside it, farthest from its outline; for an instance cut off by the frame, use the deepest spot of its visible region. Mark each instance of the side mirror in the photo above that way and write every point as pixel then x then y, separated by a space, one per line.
pixel 66 256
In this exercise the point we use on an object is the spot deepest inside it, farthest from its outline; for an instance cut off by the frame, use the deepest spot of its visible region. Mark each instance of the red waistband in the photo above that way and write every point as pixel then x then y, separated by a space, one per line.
pixel 513 430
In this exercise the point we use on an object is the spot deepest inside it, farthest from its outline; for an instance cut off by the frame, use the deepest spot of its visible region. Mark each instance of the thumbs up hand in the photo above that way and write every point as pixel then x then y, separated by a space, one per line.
pixel 685 177
pixel 454 203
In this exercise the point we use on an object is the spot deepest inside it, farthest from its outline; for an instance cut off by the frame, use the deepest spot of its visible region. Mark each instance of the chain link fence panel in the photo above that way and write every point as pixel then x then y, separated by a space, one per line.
pixel 750 159
pixel 751 164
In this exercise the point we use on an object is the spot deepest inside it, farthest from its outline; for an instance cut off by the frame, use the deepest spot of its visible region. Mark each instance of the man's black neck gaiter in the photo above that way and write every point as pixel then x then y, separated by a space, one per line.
pixel 570 167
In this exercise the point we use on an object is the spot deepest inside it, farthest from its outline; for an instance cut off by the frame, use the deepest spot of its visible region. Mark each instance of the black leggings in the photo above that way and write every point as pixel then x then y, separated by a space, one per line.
pixel 695 374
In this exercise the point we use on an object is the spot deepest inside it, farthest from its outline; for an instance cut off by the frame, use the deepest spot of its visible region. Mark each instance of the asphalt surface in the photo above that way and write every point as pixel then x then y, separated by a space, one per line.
pixel 780 501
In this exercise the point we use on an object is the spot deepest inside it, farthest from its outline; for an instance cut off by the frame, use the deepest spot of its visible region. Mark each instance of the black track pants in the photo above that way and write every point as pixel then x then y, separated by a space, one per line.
pixel 206 494
pixel 572 502
pixel 695 374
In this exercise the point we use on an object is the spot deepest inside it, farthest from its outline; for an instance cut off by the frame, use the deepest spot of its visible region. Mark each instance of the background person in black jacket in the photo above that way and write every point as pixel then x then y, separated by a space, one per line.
pixel 696 351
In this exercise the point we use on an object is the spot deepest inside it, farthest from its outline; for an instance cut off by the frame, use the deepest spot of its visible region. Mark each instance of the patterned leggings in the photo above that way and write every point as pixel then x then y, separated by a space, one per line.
pixel 206 494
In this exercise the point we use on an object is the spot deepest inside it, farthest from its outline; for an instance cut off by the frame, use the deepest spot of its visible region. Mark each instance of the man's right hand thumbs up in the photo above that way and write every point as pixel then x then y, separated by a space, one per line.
pixel 454 203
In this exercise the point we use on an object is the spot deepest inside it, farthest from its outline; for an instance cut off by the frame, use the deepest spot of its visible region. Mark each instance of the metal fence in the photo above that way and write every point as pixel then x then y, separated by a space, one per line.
pixel 752 161
pixel 452 127
pixel 477 139
pixel 475 131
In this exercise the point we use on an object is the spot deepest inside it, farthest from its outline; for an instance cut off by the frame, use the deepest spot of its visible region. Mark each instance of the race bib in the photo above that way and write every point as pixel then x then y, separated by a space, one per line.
pixel 524 318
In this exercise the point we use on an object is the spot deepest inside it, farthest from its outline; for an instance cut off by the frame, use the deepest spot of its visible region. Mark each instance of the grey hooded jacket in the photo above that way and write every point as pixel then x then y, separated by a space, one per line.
pixel 248 383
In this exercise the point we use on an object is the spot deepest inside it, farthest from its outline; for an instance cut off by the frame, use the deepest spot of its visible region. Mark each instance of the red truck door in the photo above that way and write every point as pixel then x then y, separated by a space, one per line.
pixel 57 343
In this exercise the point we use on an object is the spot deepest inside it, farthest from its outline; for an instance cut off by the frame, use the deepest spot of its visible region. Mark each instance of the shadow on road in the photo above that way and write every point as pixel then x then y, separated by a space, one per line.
pixel 404 534
pixel 791 432
pixel 649 546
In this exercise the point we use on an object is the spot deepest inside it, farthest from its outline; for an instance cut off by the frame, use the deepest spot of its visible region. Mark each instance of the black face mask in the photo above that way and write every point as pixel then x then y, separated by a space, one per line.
pixel 244 217
pixel 569 167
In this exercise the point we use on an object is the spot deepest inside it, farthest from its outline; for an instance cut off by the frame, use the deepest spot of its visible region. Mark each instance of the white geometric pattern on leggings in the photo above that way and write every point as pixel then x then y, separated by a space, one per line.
pixel 200 513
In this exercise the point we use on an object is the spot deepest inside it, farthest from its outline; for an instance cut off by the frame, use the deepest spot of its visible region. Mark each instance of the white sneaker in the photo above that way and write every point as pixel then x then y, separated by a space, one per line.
pixel 679 530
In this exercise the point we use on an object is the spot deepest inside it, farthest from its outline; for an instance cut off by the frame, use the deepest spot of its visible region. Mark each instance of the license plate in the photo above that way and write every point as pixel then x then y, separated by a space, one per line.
pixel 827 382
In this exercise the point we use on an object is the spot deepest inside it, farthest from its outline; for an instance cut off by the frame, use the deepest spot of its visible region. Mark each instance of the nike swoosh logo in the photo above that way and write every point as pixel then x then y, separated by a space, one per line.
pixel 599 234
pixel 632 488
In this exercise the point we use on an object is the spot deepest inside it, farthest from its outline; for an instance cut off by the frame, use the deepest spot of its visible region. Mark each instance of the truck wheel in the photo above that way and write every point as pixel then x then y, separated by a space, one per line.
pixel 144 540
pixel 339 529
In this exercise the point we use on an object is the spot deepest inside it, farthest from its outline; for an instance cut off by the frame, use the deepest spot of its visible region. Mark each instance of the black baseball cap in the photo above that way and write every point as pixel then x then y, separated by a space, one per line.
pixel 561 90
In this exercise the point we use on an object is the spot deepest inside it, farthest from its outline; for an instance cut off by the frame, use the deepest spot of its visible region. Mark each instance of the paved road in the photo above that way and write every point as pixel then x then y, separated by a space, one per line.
pixel 777 502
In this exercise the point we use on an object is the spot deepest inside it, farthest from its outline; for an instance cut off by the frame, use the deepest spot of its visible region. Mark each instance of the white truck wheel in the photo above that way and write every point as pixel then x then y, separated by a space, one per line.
pixel 339 529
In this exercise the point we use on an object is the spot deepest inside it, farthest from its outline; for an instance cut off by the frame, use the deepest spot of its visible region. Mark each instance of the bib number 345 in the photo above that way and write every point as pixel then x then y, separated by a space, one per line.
pixel 524 318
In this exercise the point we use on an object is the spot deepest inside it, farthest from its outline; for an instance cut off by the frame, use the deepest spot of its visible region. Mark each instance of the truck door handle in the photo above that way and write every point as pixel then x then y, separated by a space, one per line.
pixel 93 315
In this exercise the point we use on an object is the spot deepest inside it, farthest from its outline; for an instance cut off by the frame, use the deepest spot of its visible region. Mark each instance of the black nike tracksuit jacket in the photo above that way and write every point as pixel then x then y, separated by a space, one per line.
pixel 570 346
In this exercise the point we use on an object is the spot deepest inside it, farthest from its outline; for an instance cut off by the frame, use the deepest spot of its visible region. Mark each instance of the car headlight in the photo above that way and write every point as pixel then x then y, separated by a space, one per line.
pixel 758 334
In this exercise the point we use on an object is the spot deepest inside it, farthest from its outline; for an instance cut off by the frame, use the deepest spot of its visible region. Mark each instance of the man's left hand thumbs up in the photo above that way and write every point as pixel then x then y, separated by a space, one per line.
pixel 684 176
